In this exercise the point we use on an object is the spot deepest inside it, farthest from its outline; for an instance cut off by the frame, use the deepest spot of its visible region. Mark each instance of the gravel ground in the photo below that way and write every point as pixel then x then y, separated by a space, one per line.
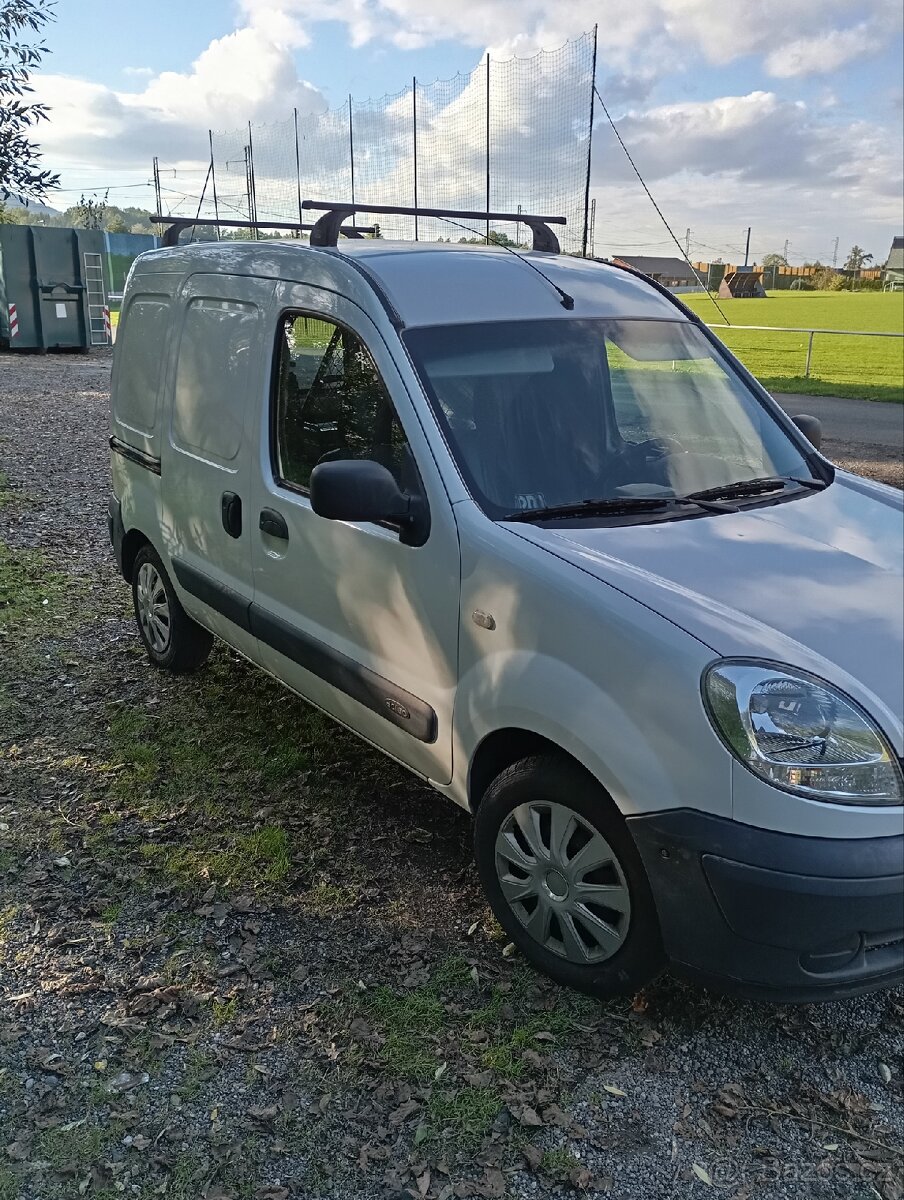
pixel 243 957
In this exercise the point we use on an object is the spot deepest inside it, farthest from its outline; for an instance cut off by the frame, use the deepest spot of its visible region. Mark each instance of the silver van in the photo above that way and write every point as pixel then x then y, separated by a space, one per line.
pixel 525 525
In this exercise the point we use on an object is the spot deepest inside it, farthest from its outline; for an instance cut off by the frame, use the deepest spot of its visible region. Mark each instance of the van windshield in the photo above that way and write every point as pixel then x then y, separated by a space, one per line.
pixel 547 413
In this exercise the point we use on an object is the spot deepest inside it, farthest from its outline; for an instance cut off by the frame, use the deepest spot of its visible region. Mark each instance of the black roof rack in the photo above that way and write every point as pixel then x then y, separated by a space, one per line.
pixel 175 225
pixel 327 228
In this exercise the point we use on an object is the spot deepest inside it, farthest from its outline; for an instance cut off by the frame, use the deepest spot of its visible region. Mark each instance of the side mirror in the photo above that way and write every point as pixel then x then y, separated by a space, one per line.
pixel 811 428
pixel 363 490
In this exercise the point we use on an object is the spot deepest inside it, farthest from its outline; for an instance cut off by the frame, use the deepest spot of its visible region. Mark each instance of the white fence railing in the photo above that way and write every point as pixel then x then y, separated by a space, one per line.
pixel 812 333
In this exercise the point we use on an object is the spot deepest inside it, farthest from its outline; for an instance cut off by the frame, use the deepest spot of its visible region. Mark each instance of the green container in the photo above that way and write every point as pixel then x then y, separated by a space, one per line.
pixel 60 282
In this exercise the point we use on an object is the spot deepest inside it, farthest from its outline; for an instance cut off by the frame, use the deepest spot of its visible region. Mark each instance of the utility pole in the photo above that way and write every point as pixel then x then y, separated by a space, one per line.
pixel 835 252
pixel 747 248
pixel 785 251
pixel 592 227
pixel 157 184
pixel 687 243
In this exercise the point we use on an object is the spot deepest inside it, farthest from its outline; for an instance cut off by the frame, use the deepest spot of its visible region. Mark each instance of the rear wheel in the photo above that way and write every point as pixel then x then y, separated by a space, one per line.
pixel 174 641
pixel 564 879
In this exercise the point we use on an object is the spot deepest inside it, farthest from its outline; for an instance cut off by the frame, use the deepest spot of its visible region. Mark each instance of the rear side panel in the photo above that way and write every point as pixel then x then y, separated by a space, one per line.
pixel 212 398
pixel 138 384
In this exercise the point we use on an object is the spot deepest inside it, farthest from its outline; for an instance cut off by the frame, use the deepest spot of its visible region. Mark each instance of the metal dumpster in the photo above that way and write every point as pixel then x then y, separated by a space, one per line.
pixel 56 285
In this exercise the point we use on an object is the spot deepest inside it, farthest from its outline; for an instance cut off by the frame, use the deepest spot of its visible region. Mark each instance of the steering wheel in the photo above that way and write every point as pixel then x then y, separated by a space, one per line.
pixel 658 447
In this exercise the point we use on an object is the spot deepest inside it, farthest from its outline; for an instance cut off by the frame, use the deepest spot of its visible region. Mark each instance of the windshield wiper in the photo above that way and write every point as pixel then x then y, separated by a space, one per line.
pixel 753 487
pixel 613 506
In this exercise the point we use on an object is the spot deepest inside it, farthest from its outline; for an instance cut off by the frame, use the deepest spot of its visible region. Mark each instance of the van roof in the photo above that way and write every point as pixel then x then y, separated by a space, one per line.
pixel 434 283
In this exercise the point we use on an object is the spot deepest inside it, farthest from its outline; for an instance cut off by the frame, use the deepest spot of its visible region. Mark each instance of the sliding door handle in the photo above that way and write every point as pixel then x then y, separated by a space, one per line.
pixel 274 524
pixel 231 513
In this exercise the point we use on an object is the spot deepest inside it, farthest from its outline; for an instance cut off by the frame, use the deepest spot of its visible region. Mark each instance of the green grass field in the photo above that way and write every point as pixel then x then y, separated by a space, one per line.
pixel 868 368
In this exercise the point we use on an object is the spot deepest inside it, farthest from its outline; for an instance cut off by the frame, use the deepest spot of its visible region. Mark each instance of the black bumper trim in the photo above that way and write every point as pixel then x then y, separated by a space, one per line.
pixel 116 529
pixel 215 594
pixel 774 914
pixel 133 454
pixel 380 695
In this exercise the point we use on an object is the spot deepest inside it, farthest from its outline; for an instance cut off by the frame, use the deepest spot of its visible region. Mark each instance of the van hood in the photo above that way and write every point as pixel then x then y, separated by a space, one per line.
pixel 814 582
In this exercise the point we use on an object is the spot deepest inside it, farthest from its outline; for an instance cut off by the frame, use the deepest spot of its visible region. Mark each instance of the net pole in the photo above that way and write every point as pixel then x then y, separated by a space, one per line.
pixel 252 191
pixel 488 147
pixel 589 145
pixel 213 182
pixel 414 142
pixel 298 168
pixel 351 146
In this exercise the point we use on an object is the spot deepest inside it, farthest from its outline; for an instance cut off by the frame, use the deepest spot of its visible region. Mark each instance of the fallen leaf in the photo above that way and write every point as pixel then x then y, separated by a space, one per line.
pixel 529 1116
pixel 493 1182
pixel 613 1090
pixel 702 1174
pixel 533 1156
pixel 885 1072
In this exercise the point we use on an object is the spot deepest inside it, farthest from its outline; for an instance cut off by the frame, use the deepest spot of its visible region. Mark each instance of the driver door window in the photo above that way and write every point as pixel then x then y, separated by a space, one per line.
pixel 330 403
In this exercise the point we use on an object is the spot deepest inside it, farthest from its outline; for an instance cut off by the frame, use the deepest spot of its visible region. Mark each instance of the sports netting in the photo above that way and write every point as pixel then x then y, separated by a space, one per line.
pixel 511 133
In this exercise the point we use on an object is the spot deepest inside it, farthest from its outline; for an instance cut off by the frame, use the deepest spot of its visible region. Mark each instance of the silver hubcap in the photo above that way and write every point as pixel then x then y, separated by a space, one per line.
pixel 153 608
pixel 563 882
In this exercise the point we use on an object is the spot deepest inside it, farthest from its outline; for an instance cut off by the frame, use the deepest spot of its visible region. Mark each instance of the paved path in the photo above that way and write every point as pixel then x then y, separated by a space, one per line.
pixel 862 435
pixel 868 422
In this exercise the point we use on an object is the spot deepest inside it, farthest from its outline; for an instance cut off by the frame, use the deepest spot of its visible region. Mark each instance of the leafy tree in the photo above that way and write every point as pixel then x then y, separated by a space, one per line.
pixel 857 259
pixel 20 158
pixel 495 239
pixel 774 260
pixel 116 224
pixel 89 213
pixel 10 216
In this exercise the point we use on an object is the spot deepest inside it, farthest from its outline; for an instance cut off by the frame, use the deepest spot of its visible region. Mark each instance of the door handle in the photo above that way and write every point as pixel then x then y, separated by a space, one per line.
pixel 274 524
pixel 231 513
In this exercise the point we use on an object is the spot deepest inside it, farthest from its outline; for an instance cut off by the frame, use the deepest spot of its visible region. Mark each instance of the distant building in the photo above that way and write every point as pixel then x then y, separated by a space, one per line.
pixel 670 272
pixel 893 273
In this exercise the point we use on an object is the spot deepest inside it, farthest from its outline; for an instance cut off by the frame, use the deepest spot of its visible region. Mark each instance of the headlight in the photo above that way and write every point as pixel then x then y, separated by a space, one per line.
pixel 801 734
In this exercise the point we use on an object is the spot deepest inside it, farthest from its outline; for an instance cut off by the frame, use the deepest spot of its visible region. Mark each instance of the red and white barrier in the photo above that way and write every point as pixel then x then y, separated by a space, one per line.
pixel 13 322
pixel 108 328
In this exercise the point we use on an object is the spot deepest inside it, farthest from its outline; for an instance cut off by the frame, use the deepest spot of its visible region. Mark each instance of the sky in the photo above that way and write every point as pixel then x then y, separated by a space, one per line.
pixel 784 115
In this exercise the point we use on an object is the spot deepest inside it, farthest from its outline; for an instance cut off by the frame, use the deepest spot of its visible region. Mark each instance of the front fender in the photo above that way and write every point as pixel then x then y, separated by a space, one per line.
pixel 647 752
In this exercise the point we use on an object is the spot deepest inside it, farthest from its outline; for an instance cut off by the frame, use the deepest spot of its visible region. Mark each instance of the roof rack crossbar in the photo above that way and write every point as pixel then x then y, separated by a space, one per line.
pixel 175 225
pixel 326 230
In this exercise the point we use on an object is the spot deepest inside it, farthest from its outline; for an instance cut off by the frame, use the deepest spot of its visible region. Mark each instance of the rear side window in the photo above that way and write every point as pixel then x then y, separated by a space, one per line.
pixel 213 377
pixel 139 362
pixel 330 403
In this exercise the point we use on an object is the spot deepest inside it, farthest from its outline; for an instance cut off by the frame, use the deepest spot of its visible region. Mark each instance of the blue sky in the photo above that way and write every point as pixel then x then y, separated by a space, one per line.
pixel 782 114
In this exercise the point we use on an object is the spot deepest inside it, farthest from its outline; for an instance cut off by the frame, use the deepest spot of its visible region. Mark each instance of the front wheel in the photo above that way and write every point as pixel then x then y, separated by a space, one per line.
pixel 174 641
pixel 564 878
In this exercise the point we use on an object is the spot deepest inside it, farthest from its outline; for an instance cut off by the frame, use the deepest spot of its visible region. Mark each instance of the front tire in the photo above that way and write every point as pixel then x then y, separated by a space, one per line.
pixel 564 878
pixel 174 641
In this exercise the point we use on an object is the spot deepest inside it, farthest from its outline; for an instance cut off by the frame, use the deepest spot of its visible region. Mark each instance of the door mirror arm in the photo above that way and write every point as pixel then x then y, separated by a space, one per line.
pixel 810 427
pixel 363 490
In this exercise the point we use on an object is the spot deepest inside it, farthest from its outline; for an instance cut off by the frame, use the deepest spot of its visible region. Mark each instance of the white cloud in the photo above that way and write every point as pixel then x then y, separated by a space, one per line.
pixel 792 36
pixel 823 53
pixel 727 162
pixel 240 77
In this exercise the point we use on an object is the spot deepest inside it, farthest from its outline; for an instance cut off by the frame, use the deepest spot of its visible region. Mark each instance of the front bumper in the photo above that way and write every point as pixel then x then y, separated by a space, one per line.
pixel 771 914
